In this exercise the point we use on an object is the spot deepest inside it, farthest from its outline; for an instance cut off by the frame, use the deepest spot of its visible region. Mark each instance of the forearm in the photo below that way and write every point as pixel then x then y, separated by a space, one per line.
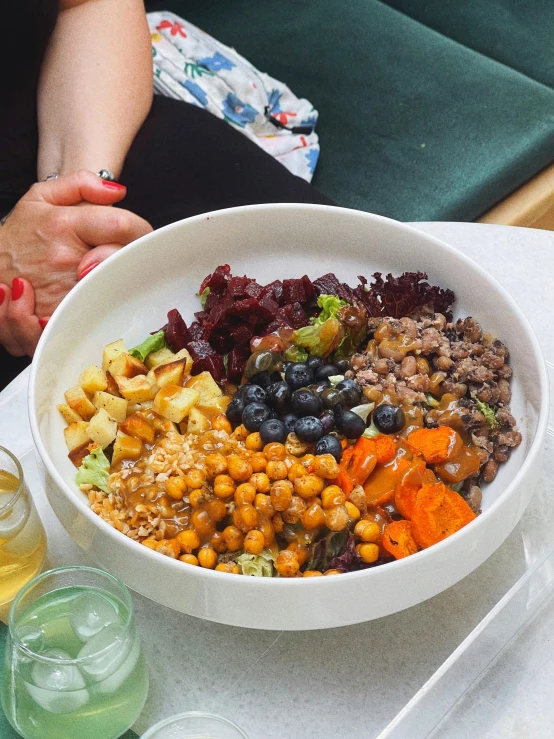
pixel 95 88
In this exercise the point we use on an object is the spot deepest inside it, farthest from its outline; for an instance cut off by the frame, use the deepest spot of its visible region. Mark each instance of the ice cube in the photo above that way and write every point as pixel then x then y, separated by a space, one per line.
pixel 112 646
pixel 90 613
pixel 57 688
pixel 117 678
pixel 32 637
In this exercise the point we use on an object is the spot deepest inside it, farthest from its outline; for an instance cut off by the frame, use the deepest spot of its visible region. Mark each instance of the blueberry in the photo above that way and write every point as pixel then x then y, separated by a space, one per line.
pixel 325 371
pixel 278 396
pixel 263 379
pixel 348 423
pixel 327 419
pixel 273 430
pixel 298 375
pixel 254 415
pixel 331 397
pixel 305 403
pixel 343 365
pixel 289 419
pixel 329 445
pixel 234 411
pixel 389 419
pixel 350 393
pixel 314 362
pixel 308 428
pixel 253 394
pixel 319 386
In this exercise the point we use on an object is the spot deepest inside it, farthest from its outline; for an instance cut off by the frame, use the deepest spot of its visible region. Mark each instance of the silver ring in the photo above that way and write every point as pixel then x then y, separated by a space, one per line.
pixel 105 174
pixel 51 176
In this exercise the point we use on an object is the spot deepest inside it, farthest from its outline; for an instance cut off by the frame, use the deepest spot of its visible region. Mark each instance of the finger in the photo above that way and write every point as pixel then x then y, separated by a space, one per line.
pixel 97 226
pixel 6 338
pixel 93 258
pixel 24 324
pixel 72 188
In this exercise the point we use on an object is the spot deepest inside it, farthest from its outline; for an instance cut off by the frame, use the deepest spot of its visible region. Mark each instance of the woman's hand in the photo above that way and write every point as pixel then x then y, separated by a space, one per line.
pixel 20 328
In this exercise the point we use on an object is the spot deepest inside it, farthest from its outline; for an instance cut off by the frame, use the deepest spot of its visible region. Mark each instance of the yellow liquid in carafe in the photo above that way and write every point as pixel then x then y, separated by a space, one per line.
pixel 22 540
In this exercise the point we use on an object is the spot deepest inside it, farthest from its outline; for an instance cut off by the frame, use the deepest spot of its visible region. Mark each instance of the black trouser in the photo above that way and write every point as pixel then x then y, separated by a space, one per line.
pixel 185 161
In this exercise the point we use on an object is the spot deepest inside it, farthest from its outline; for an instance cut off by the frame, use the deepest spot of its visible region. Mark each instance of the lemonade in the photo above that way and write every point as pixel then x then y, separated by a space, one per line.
pixel 74 666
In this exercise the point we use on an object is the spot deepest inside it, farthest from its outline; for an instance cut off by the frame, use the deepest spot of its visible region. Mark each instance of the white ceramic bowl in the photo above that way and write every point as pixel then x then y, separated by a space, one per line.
pixel 130 295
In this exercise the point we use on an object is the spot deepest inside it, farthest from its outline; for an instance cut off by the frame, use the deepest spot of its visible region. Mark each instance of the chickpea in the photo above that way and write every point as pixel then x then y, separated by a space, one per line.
pixel 266 528
pixel 175 487
pixel 274 451
pixel 245 493
pixel 240 469
pixel 217 509
pixel 312 573
pixel 190 559
pixel 246 517
pixel 198 498
pixel 313 517
pixel 221 423
pixel 188 540
pixel 264 506
pixel 287 564
pixel 294 512
pixel 336 518
pixel 229 567
pixel 217 542
pixel 207 558
pixel 261 482
pixel 367 531
pixel 202 522
pixel 308 462
pixel 308 486
pixel 254 542
pixel 241 433
pixel 258 462
pixel 215 465
pixel 233 538
pixel 150 543
pixel 281 494
pixel 300 551
pixel 326 466
pixel 368 552
pixel 276 469
pixel 295 471
pixel 353 511
pixel 224 486
pixel 357 497
pixel 332 572
pixel 254 442
pixel 169 547
pixel 277 521
pixel 332 496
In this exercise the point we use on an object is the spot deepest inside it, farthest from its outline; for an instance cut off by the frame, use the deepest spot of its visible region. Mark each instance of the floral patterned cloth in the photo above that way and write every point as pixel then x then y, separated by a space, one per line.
pixel 192 66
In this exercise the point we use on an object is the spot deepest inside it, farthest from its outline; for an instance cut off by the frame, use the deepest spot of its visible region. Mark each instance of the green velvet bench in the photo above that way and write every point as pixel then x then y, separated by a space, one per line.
pixel 429 110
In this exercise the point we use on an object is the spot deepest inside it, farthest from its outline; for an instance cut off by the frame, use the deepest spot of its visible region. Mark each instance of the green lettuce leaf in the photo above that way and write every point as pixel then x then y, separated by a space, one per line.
pixel 258 565
pixel 203 296
pixel 489 413
pixel 326 331
pixel 152 344
pixel 330 307
pixel 94 470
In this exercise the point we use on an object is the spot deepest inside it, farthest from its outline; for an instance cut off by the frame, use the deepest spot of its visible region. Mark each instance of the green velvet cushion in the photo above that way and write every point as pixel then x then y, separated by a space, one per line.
pixel 518 33
pixel 412 125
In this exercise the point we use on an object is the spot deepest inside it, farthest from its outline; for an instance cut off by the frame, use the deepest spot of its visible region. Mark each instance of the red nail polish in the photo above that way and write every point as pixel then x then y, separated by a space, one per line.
pixel 88 269
pixel 42 322
pixel 2 295
pixel 17 288
pixel 113 185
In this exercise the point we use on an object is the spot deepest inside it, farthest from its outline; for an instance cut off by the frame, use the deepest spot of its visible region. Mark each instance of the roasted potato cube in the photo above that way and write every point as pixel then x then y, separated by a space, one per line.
pixel 76 434
pixel 125 365
pixel 172 372
pixel 139 428
pixel 111 351
pixel 126 447
pixel 79 453
pixel 174 402
pixel 93 379
pixel 115 407
pixel 102 428
pixel 79 401
pixel 69 415
pixel 112 388
pixel 197 422
pixel 162 356
pixel 136 389
pixel 205 385
pixel 215 406
pixel 184 354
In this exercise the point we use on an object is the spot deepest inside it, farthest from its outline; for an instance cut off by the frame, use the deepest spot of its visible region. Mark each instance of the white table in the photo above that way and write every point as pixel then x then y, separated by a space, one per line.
pixel 341 683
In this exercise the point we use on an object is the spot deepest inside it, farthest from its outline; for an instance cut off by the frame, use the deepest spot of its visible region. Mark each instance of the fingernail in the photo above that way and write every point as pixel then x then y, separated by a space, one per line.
pixel 88 269
pixel 42 322
pixel 2 295
pixel 17 288
pixel 112 185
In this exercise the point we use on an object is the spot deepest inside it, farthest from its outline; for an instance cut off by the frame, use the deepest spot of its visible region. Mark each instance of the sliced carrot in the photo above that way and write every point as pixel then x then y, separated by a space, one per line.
pixel 456 469
pixel 381 484
pixel 398 539
pixel 408 487
pixel 385 448
pixel 436 445
pixel 438 513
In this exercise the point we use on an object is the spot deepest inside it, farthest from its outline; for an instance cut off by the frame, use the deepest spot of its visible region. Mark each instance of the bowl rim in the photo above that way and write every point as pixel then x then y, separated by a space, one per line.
pixel 261 582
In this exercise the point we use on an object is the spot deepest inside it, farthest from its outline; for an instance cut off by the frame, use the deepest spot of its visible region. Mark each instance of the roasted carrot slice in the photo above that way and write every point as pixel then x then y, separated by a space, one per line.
pixel 464 464
pixel 438 513
pixel 436 445
pixel 385 448
pixel 408 487
pixel 398 539
pixel 381 484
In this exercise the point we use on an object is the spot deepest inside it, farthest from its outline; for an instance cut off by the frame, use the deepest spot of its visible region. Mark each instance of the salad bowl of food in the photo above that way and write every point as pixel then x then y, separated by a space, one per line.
pixel 289 416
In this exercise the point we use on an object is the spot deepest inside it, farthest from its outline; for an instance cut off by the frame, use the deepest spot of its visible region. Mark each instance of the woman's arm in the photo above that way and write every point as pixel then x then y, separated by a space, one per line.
pixel 95 88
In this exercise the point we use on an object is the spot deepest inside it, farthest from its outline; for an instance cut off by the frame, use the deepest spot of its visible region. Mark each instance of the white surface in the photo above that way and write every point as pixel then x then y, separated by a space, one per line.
pixel 126 284
pixel 347 682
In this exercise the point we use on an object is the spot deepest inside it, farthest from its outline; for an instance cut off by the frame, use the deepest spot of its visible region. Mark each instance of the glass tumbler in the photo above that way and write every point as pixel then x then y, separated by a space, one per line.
pixel 22 537
pixel 195 725
pixel 74 668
